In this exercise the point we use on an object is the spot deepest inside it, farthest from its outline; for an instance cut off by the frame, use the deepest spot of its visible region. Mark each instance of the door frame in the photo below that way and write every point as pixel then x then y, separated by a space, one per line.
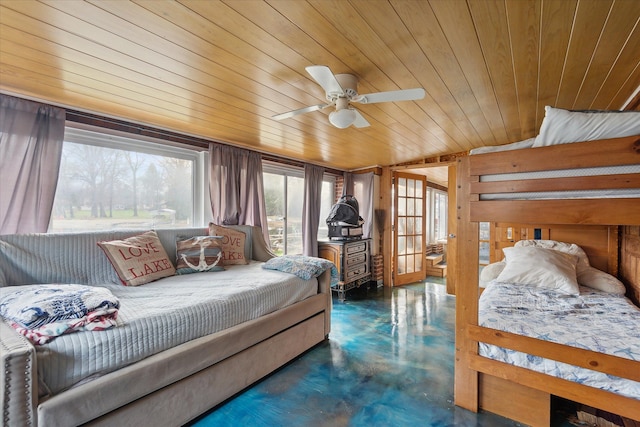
pixel 386 203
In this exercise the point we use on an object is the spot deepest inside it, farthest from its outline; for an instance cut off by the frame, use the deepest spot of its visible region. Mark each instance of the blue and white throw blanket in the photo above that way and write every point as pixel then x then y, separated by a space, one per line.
pixel 42 312
pixel 303 266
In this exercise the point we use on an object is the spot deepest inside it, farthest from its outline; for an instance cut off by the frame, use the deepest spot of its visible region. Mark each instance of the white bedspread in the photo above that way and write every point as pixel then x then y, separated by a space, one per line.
pixel 162 314
pixel 593 320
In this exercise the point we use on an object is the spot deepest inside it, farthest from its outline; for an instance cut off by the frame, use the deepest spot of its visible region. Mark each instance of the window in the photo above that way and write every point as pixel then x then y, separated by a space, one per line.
pixel 437 215
pixel 112 182
pixel 284 196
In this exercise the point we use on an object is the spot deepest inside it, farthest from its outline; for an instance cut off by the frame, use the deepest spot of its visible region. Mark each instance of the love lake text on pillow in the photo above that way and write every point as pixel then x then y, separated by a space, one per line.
pixel 140 253
pixel 233 242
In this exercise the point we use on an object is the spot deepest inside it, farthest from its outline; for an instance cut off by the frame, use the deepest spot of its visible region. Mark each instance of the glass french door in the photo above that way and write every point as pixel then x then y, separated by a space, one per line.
pixel 409 227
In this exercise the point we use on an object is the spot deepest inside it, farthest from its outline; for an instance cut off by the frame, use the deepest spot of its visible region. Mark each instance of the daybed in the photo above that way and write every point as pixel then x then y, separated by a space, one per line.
pixel 599 187
pixel 169 359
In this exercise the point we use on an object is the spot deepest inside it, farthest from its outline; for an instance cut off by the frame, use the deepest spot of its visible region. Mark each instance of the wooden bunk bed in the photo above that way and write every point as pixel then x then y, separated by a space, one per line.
pixel 515 392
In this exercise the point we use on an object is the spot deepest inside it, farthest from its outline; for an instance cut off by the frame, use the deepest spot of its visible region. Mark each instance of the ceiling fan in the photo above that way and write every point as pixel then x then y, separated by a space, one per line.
pixel 341 90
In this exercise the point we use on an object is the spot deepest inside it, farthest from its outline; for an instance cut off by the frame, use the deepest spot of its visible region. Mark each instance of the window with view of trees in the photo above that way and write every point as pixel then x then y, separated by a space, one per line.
pixel 114 182
pixel 284 196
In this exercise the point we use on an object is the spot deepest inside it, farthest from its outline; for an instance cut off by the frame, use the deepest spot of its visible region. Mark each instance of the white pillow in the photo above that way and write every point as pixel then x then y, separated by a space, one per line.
pixel 569 248
pixel 527 143
pixel 490 272
pixel 563 126
pixel 596 279
pixel 540 268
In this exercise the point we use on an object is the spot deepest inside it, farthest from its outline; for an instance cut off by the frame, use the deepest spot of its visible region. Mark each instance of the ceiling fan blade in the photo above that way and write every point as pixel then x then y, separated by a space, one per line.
pixel 300 111
pixel 391 96
pixel 325 78
pixel 360 121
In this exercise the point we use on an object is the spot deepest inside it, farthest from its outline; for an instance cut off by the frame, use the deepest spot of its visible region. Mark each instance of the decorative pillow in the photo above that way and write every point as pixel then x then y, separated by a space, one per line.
pixel 568 248
pixel 232 244
pixel 562 126
pixel 302 266
pixel 541 268
pixel 198 254
pixel 596 279
pixel 490 272
pixel 139 259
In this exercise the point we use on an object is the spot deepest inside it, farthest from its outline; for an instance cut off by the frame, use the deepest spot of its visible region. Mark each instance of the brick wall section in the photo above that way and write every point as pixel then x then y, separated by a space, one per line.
pixel 377 268
pixel 339 186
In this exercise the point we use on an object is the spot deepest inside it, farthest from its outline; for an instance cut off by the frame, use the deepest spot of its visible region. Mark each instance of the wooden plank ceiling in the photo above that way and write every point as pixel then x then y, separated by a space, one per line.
pixel 221 69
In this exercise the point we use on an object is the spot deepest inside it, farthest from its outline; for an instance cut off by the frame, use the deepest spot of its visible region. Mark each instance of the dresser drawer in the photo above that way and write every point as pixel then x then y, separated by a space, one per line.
pixel 352 248
pixel 355 259
pixel 356 273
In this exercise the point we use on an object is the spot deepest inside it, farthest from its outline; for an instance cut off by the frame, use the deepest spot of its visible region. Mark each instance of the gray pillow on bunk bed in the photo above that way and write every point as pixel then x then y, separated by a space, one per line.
pixel 563 126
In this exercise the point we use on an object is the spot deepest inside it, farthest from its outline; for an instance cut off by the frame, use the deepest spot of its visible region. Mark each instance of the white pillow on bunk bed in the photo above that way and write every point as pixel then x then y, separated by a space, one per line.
pixel 586 274
pixel 540 268
pixel 563 126
pixel 568 248
pixel 605 282
pixel 490 272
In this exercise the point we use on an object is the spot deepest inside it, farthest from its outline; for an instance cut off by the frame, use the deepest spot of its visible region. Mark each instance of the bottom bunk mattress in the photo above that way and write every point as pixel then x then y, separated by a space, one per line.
pixel 165 313
pixel 593 320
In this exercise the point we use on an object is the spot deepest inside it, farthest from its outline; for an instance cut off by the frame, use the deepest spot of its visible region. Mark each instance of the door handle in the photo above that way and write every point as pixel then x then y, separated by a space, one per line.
pixel 452 236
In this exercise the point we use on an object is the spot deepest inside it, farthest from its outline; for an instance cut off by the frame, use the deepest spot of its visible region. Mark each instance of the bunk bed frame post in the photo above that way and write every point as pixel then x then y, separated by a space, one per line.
pixel 474 390
pixel 465 379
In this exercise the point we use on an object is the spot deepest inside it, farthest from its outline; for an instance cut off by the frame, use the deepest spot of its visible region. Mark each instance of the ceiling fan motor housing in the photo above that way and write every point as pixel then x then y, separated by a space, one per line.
pixel 349 84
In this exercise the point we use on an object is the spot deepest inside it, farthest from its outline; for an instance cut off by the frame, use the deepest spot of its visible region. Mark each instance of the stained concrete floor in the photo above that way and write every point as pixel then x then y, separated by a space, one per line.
pixel 388 362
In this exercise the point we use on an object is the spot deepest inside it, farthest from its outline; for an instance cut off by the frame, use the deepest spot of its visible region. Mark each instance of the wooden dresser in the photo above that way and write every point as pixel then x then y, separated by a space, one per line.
pixel 353 260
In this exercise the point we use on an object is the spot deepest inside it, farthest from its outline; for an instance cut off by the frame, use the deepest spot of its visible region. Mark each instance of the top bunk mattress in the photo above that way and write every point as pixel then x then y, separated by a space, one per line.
pixel 560 127
pixel 166 313
pixel 593 320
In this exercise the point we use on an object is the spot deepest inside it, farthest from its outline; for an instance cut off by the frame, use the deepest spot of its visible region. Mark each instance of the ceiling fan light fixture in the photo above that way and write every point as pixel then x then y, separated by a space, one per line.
pixel 342 118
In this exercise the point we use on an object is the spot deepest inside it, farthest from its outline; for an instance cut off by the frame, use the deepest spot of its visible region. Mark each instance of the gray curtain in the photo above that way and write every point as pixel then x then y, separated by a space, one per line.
pixel 31 138
pixel 311 208
pixel 236 188
pixel 363 189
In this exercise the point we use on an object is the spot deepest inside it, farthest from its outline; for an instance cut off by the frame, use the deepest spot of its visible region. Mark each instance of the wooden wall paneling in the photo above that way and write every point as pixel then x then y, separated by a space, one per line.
pixel 630 261
pixel 490 20
pixel 456 21
pixel 554 40
pixel 418 19
pixel 588 24
pixel 219 70
pixel 524 28
pixel 627 63
pixel 612 40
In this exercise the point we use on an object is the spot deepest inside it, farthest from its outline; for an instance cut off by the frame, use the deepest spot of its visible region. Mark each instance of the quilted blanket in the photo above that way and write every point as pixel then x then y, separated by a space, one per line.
pixel 593 320
pixel 43 312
